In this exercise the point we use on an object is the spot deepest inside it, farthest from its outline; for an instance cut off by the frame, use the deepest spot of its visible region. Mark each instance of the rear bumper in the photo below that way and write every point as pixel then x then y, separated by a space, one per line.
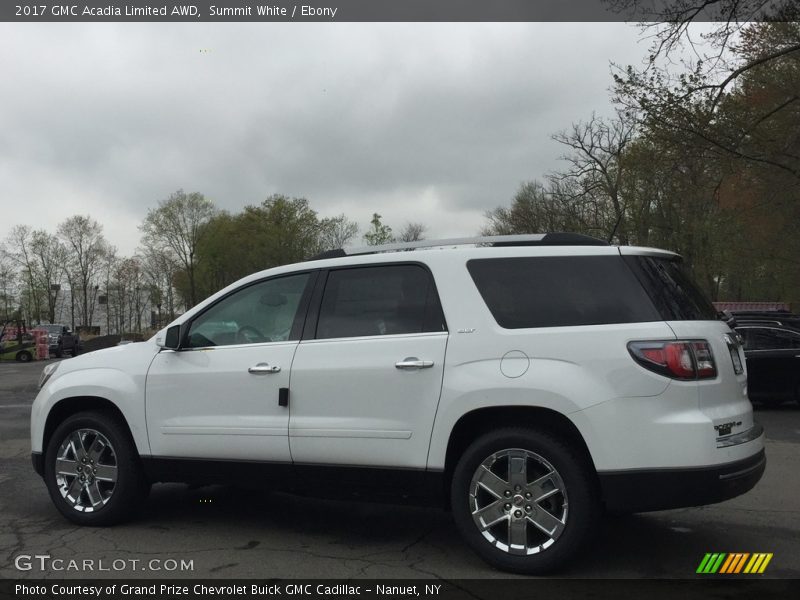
pixel 660 489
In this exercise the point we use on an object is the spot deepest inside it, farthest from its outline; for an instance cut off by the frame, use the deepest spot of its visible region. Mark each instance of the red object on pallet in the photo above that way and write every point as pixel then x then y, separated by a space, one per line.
pixel 42 343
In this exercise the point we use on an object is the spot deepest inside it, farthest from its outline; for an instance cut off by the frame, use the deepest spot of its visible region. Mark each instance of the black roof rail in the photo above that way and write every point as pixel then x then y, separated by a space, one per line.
pixel 559 239
pixel 336 253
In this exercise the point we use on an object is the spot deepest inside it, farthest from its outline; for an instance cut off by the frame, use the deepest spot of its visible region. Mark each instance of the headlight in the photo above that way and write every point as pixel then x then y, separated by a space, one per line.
pixel 47 372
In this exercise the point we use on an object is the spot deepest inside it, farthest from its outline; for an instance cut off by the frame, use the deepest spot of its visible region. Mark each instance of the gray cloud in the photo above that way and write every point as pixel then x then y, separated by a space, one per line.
pixel 429 122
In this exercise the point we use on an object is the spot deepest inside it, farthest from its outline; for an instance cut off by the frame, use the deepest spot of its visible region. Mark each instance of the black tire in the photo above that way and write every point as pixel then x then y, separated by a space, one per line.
pixel 581 496
pixel 131 487
pixel 24 356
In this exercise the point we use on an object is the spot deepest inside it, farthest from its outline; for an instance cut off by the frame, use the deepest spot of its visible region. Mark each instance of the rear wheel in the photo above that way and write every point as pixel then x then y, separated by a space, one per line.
pixel 523 500
pixel 92 470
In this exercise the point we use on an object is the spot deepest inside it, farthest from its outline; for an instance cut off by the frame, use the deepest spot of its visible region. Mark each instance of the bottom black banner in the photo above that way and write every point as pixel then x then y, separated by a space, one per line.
pixel 374 589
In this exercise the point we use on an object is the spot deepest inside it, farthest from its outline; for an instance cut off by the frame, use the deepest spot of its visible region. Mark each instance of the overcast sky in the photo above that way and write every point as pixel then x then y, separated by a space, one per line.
pixel 424 122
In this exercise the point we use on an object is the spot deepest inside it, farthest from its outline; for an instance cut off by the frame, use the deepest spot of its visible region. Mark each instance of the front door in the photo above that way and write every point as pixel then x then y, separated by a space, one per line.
pixel 219 397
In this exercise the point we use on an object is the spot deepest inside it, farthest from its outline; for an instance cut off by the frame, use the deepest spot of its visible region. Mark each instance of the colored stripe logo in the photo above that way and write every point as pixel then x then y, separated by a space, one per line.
pixel 734 563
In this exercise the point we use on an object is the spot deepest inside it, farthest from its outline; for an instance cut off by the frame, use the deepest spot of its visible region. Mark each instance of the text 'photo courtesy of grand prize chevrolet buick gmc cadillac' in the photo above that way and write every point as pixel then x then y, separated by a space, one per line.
pixel 527 382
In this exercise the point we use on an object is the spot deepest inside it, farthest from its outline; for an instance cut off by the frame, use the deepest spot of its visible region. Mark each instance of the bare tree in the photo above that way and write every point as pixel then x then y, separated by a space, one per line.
pixel 159 269
pixel 49 256
pixel 177 225
pixel 83 237
pixel 539 208
pixel 19 244
pixel 8 284
pixel 596 163
pixel 412 232
pixel 667 24
pixel 337 232
pixel 108 268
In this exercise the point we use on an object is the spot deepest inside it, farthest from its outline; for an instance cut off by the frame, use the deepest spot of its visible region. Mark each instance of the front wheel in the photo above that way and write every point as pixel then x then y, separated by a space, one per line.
pixel 92 470
pixel 24 356
pixel 523 500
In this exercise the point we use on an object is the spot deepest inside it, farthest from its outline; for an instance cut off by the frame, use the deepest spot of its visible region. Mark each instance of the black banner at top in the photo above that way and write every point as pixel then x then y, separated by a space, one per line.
pixel 395 10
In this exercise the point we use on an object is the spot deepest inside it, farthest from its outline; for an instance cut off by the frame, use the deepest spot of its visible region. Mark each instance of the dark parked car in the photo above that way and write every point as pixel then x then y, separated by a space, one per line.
pixel 62 340
pixel 773 361
pixel 769 318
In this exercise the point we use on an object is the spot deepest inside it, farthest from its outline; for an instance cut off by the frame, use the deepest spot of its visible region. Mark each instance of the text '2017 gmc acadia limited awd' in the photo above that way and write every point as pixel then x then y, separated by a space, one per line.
pixel 527 381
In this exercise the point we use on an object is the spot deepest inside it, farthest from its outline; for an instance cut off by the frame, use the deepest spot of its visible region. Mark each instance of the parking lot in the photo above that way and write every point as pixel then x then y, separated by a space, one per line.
pixel 228 532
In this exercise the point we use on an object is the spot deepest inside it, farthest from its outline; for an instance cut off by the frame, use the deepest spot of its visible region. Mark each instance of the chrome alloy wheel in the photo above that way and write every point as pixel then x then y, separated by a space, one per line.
pixel 86 470
pixel 518 501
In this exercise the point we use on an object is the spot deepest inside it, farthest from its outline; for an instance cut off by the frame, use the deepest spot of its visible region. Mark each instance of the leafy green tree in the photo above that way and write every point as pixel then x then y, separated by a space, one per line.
pixel 279 231
pixel 378 233
pixel 176 227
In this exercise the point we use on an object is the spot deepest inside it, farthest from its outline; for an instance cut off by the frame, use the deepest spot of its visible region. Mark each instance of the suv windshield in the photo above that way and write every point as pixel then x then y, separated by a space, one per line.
pixel 671 289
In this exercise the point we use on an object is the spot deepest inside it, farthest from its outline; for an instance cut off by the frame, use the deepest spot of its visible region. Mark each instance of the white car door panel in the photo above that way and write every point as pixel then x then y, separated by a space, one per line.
pixel 351 404
pixel 205 403
pixel 365 388
pixel 218 398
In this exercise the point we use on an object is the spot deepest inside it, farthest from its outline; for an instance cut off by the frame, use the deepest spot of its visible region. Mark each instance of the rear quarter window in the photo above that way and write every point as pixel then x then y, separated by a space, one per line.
pixel 676 296
pixel 560 290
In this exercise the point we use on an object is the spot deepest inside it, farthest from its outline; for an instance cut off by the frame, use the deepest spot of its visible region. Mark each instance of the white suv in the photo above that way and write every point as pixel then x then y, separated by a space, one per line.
pixel 529 382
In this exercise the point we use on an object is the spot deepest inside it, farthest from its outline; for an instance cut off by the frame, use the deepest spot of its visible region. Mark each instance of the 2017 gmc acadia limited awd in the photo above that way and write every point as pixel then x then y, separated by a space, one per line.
pixel 529 382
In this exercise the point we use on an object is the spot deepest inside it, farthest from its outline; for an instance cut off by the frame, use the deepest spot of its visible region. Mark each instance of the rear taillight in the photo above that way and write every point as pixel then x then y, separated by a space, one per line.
pixel 682 359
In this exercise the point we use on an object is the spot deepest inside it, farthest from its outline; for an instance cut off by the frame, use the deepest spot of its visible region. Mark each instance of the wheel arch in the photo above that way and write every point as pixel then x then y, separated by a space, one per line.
pixel 476 422
pixel 67 407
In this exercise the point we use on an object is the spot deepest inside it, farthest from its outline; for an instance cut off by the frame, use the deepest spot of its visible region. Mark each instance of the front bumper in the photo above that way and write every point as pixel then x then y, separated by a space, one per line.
pixel 642 490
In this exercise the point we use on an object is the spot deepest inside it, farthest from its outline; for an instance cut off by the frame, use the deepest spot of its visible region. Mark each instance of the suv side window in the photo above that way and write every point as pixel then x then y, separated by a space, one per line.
pixel 560 290
pixel 381 300
pixel 263 312
pixel 770 339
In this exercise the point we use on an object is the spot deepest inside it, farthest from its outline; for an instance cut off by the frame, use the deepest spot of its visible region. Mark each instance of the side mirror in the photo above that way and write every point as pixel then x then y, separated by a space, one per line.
pixel 172 338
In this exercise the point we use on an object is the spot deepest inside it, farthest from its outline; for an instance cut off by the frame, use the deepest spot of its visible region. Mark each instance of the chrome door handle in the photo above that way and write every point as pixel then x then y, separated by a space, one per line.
pixel 412 362
pixel 264 369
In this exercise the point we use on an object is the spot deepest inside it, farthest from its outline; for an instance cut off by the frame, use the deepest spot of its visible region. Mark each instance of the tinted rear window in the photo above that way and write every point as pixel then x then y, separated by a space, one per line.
pixel 560 290
pixel 672 290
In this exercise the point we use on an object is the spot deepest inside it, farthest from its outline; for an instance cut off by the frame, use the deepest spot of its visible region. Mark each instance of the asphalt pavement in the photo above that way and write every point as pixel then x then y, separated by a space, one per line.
pixel 226 532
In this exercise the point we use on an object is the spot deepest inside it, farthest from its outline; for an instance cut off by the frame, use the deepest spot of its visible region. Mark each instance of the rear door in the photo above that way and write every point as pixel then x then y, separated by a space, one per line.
pixel 366 382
